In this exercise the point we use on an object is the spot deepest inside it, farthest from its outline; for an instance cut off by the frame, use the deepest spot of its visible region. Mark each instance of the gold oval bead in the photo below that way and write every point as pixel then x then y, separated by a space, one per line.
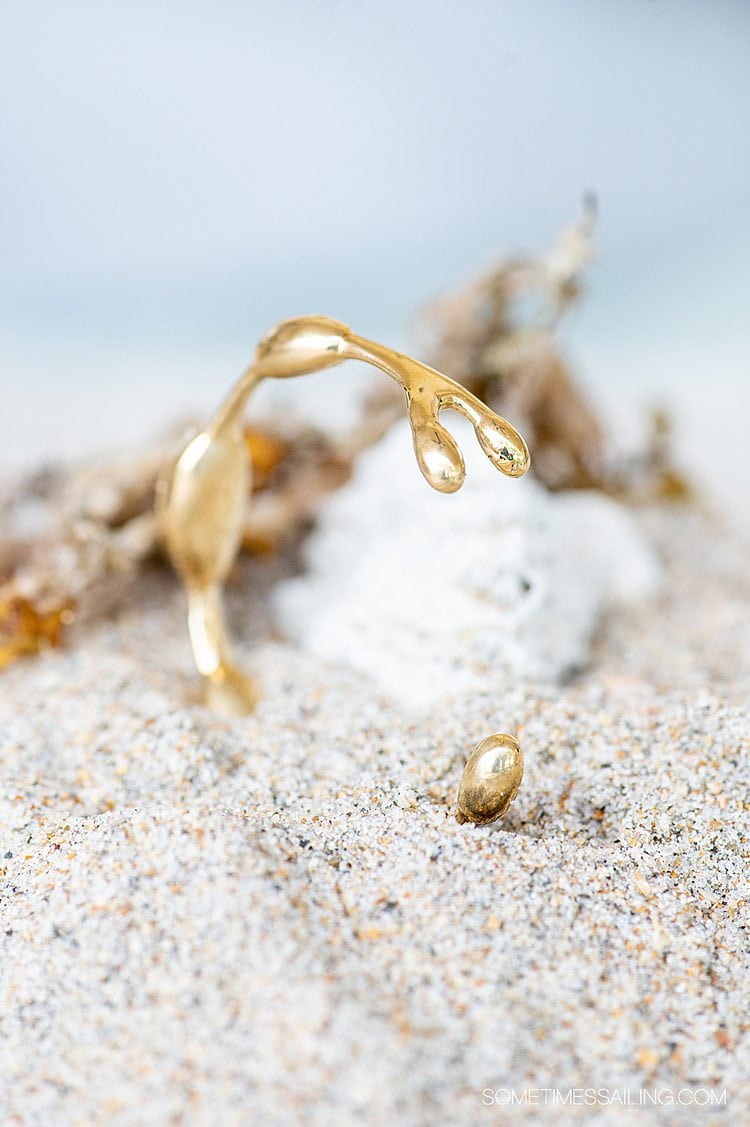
pixel 490 780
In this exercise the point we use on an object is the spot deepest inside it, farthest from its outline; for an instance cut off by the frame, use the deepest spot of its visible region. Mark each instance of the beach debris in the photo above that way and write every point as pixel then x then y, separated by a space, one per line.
pixel 74 539
pixel 499 336
pixel 424 598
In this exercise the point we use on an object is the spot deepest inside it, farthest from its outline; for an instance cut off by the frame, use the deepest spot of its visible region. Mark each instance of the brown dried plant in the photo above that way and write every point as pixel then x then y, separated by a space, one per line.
pixel 498 336
pixel 74 539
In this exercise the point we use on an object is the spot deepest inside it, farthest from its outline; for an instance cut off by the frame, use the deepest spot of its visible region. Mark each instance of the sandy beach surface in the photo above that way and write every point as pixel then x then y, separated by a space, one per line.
pixel 278 920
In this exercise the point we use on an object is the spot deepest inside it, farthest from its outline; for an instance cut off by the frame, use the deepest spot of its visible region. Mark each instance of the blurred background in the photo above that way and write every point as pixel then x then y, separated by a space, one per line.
pixel 178 176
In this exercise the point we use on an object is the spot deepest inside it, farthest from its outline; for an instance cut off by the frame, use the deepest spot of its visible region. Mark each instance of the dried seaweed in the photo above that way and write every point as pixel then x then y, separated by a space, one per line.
pixel 27 629
pixel 74 539
pixel 498 336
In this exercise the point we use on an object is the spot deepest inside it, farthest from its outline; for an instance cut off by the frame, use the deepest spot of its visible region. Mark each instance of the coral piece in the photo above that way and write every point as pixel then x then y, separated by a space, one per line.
pixel 424 600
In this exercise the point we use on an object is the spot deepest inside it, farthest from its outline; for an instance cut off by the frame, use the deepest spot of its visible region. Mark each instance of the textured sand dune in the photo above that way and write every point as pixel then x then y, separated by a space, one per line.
pixel 278 920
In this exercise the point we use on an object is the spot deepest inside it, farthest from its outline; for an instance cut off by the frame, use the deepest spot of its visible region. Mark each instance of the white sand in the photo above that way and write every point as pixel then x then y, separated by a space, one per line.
pixel 277 920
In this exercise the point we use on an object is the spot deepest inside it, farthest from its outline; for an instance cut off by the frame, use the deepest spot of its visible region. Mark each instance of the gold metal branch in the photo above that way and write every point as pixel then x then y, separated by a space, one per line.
pixel 202 505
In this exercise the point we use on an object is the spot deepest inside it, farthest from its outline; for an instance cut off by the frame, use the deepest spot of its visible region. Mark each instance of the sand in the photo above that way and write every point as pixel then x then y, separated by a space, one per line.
pixel 278 920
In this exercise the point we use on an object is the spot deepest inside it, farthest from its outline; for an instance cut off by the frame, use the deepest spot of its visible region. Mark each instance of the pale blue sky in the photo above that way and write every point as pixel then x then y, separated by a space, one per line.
pixel 178 175
pixel 183 167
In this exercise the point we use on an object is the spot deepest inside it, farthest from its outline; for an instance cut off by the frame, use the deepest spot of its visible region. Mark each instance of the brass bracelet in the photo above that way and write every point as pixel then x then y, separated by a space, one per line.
pixel 201 509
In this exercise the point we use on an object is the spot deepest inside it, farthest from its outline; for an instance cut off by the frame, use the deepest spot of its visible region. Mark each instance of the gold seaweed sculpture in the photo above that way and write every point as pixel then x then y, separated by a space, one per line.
pixel 201 507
